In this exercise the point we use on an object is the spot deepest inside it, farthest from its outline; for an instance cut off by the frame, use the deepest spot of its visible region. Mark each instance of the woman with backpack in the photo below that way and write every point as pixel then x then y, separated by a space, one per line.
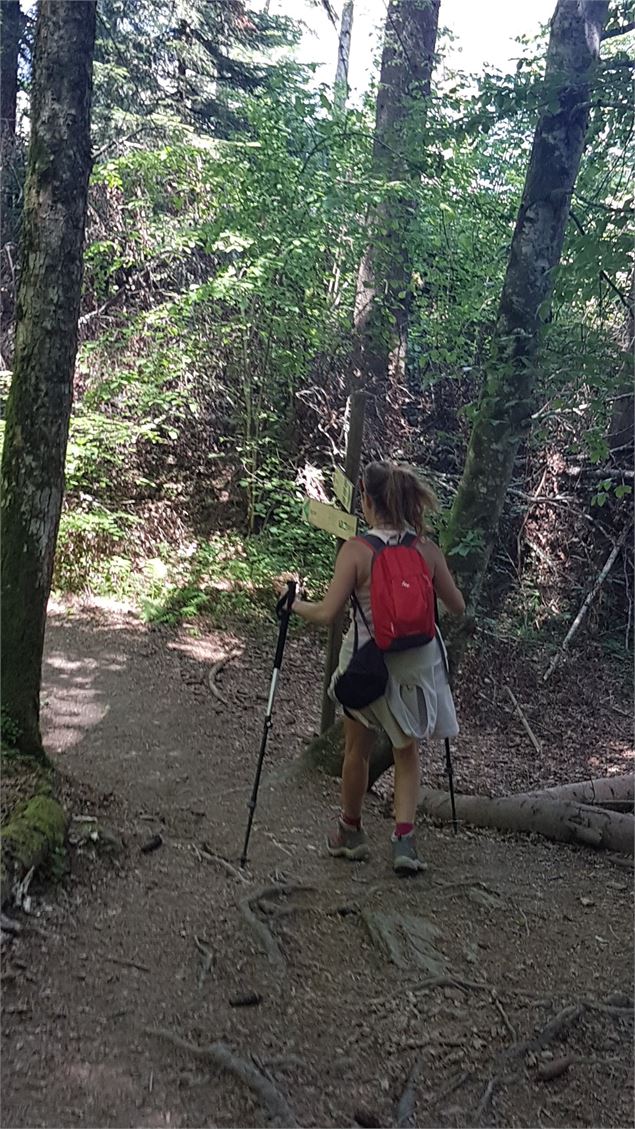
pixel 392 670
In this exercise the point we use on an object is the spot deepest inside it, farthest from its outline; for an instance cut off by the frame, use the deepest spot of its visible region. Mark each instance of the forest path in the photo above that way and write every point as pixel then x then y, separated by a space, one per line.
pixel 132 941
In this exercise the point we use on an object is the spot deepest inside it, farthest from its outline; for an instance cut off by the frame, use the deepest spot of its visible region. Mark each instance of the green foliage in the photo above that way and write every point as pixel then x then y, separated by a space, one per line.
pixel 227 267
pixel 9 731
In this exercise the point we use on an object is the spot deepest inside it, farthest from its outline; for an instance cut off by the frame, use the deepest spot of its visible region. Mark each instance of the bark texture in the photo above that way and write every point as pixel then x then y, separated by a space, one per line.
pixel 562 820
pixel 39 402
pixel 507 400
pixel 612 792
pixel 382 301
pixel 340 90
pixel 9 43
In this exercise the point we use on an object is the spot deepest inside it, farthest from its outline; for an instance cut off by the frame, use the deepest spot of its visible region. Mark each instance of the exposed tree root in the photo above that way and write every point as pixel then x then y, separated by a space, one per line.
pixel 262 899
pixel 509 1058
pixel 405 940
pixel 213 675
pixel 271 1097
pixel 406 1106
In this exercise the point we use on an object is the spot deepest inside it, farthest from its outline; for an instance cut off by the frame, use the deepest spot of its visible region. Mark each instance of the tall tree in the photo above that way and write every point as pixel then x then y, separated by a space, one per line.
pixel 9 45
pixel 507 401
pixel 39 403
pixel 340 86
pixel 384 283
pixel 170 67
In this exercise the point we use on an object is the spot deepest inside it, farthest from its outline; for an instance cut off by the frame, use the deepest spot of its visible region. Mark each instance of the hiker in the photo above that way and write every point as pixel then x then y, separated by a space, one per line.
pixel 416 701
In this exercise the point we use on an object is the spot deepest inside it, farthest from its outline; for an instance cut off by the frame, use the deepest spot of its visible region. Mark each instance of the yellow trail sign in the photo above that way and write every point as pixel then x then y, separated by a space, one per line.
pixel 331 519
pixel 343 489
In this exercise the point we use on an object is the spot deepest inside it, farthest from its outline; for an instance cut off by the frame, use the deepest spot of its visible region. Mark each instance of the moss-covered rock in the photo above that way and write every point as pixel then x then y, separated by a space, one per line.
pixel 33 832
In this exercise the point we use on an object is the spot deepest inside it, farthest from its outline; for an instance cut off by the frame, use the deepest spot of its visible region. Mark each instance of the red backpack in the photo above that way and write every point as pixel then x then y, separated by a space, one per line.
pixel 401 594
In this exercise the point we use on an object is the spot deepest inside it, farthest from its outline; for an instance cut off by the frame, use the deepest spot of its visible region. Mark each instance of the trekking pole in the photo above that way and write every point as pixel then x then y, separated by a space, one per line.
pixel 283 611
pixel 448 751
pixel 448 765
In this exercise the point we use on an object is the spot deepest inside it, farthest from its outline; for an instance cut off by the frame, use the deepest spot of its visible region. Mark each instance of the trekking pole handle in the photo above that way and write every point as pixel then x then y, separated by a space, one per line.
pixel 285 603
pixel 283 611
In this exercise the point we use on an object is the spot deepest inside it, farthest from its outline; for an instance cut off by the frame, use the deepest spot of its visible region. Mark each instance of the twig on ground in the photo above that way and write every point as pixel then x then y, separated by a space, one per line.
pixel 271 1097
pixel 213 675
pixel 128 963
pixel 486 1099
pixel 448 1090
pixel 452 982
pixel 205 853
pixel 504 1017
pixel 525 724
pixel 618 1011
pixel 208 961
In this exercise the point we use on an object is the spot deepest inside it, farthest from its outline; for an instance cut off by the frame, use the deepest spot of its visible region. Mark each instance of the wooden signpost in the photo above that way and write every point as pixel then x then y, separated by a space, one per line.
pixel 343 489
pixel 341 524
pixel 334 521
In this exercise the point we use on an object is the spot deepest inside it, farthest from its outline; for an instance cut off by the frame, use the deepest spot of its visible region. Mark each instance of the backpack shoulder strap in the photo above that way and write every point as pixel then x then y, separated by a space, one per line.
pixel 374 543
pixel 409 540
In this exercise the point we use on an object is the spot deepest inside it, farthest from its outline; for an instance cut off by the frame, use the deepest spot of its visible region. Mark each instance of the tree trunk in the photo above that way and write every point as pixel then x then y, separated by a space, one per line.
pixel 615 793
pixel 382 300
pixel 622 427
pixel 555 819
pixel 9 43
pixel 507 400
pixel 39 402
pixel 340 88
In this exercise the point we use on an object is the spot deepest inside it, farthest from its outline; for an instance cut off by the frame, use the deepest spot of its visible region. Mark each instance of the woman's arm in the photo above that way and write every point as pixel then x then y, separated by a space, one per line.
pixel 339 590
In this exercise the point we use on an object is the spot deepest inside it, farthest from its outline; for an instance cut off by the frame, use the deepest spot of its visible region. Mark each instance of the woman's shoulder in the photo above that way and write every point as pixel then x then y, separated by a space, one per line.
pixel 429 550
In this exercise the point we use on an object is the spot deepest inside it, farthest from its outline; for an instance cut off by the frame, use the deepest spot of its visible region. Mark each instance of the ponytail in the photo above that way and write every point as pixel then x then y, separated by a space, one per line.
pixel 400 497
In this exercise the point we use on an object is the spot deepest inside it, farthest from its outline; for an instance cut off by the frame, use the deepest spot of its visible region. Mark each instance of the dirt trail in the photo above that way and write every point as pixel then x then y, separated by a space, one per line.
pixel 132 941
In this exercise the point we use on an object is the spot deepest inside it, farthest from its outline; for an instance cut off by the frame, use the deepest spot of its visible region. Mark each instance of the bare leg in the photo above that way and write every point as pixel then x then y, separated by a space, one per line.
pixel 407 778
pixel 358 742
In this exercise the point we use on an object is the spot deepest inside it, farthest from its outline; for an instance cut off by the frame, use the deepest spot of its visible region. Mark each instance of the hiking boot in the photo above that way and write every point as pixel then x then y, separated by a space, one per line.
pixel 405 859
pixel 345 843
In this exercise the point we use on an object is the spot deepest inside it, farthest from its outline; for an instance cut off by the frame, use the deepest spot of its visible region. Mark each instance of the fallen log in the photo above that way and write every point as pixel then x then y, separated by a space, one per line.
pixel 616 793
pixel 326 754
pixel 563 821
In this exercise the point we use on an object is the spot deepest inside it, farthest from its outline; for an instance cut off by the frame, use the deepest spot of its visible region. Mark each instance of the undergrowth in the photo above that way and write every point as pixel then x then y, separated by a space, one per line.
pixel 226 577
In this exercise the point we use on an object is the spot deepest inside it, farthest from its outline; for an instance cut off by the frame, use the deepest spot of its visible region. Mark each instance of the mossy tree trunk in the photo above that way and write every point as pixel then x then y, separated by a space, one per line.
pixel 382 304
pixel 9 44
pixel 507 400
pixel 39 401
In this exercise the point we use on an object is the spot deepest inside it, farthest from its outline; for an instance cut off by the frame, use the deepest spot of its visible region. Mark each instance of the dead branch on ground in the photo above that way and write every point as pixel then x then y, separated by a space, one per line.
pixel 555 819
pixel 588 600
pixel 525 724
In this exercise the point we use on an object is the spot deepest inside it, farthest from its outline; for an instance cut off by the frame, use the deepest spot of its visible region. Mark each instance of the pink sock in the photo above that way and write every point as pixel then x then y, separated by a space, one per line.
pixel 403 829
pixel 349 823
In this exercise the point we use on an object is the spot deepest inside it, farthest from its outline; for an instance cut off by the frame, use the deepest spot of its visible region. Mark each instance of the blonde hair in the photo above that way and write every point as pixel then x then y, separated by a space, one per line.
pixel 400 497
